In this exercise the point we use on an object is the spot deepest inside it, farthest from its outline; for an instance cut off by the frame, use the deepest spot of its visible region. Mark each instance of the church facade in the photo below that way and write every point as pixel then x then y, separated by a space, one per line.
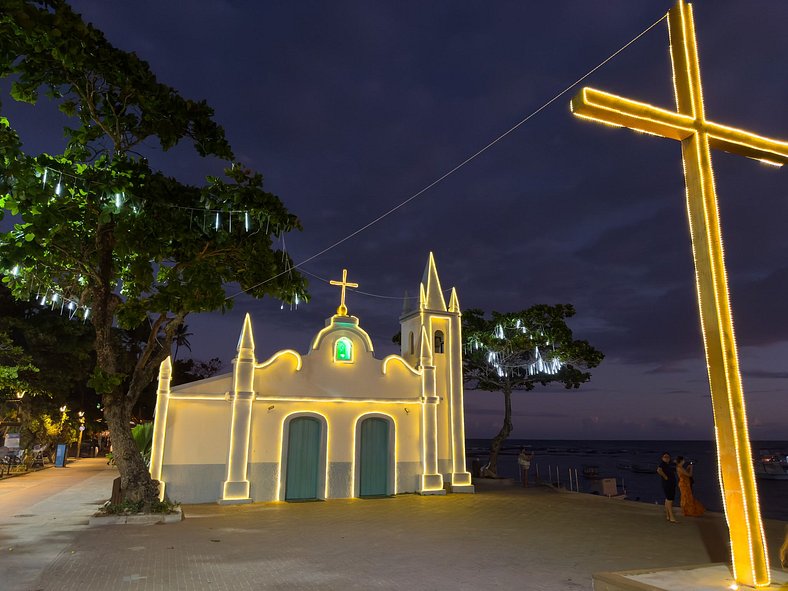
pixel 336 422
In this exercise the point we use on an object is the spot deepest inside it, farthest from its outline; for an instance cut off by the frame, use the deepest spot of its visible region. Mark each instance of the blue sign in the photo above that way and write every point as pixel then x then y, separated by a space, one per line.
pixel 60 456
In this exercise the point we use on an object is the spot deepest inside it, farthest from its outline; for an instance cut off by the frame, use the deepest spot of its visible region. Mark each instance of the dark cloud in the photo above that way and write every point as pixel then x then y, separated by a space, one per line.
pixel 349 108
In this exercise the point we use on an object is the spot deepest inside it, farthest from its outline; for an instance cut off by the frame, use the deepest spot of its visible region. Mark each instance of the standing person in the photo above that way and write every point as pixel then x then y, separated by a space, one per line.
pixel 667 472
pixel 691 506
pixel 524 461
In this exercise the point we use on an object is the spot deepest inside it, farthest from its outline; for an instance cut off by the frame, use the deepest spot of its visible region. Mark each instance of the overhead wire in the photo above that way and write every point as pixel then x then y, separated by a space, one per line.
pixel 456 168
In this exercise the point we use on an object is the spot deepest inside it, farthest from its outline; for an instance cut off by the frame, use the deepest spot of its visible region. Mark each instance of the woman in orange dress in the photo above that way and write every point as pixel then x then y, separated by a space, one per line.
pixel 691 506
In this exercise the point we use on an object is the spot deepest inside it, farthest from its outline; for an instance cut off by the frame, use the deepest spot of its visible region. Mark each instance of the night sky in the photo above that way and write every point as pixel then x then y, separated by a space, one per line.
pixel 349 108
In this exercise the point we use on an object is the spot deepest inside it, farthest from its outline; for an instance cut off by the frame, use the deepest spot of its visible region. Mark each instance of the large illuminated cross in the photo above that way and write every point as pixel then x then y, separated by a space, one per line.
pixel 689 125
pixel 342 310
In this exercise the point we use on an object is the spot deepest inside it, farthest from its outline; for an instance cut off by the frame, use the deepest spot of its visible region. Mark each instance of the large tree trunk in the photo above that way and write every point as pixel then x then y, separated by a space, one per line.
pixel 498 440
pixel 136 482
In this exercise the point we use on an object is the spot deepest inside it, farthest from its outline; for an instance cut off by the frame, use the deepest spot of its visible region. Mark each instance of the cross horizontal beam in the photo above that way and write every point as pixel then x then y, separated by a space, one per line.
pixel 611 109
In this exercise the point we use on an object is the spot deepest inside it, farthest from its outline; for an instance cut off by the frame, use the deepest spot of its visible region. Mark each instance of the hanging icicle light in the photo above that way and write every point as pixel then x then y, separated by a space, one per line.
pixel 44 180
pixel 216 222
pixel 15 271
pixel 118 200
pixel 43 300
pixel 87 313
pixel 71 305
pixel 59 186
pixel 246 221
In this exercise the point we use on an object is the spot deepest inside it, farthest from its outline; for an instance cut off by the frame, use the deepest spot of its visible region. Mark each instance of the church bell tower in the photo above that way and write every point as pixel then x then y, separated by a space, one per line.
pixel 428 317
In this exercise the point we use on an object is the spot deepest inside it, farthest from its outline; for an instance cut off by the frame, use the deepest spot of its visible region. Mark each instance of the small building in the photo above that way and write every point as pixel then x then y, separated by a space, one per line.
pixel 335 422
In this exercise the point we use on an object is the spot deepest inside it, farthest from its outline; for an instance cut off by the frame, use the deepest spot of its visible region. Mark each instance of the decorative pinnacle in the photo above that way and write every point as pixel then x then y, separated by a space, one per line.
pixel 342 310
pixel 165 368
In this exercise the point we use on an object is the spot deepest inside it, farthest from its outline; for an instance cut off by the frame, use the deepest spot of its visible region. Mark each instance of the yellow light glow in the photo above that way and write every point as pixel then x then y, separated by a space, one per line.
pixel 215 397
pixel 324 426
pixel 340 323
pixel 280 354
pixel 697 135
pixel 356 428
pixel 338 400
pixel 407 365
pixel 342 310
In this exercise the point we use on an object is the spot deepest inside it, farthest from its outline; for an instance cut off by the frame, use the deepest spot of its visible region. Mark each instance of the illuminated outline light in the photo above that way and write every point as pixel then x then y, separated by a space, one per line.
pixel 343 350
pixel 402 360
pixel 339 400
pixel 355 449
pixel 279 354
pixel 325 441
pixel 731 431
pixel 343 325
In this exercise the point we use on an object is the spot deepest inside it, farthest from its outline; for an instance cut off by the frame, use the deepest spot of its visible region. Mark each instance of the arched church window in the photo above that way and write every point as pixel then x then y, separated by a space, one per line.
pixel 343 350
pixel 438 341
pixel 410 340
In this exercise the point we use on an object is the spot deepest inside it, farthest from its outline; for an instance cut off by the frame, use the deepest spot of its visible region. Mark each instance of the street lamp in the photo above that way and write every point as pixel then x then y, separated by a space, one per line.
pixel 81 431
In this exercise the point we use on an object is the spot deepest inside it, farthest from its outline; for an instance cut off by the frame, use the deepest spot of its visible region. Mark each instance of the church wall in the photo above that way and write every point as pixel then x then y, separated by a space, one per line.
pixel 267 452
pixel 196 448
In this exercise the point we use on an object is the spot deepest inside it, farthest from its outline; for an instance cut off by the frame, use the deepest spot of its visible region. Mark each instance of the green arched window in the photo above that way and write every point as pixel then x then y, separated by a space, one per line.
pixel 343 350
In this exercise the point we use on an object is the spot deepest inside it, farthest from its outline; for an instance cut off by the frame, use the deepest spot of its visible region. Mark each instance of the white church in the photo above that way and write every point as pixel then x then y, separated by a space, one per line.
pixel 335 422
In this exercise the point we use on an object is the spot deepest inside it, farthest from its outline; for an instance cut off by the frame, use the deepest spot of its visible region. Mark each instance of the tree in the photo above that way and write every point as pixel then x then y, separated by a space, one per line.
pixel 520 350
pixel 181 339
pixel 59 355
pixel 101 229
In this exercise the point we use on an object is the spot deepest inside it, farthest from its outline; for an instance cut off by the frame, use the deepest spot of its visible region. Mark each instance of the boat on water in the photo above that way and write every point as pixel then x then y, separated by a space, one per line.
pixel 771 465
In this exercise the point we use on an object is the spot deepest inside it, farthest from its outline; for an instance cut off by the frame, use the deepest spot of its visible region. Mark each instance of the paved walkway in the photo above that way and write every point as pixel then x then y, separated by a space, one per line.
pixel 535 539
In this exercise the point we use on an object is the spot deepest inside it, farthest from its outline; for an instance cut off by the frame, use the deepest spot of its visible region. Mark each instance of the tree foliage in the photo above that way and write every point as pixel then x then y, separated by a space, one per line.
pixel 126 244
pixel 521 350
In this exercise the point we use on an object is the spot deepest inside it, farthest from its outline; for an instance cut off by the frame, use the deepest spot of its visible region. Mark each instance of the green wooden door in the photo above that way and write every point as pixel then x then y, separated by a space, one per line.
pixel 374 458
pixel 303 459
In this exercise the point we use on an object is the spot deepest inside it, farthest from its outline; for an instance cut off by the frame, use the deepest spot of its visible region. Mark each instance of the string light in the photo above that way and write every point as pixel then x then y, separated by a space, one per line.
pixel 120 199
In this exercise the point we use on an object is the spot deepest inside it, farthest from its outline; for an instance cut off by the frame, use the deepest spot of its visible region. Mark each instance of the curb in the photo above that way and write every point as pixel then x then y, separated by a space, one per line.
pixel 137 519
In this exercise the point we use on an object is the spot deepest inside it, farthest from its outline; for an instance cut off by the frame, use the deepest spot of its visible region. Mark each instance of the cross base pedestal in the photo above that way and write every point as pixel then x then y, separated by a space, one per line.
pixel 702 577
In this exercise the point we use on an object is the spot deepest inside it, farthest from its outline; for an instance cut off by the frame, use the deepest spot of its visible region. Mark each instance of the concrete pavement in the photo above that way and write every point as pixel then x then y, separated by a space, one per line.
pixel 536 539
pixel 43 512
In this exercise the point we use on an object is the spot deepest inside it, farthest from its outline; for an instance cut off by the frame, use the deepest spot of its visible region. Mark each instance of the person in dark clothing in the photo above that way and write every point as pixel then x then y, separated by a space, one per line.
pixel 667 471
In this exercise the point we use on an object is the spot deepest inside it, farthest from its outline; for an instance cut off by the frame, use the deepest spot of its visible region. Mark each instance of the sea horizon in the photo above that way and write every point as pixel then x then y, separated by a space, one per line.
pixel 632 462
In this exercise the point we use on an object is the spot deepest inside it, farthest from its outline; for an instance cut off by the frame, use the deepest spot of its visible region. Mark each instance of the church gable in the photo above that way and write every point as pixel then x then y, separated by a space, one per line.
pixel 340 364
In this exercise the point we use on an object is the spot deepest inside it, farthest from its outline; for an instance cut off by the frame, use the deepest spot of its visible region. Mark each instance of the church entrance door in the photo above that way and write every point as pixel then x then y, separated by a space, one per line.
pixel 374 458
pixel 303 459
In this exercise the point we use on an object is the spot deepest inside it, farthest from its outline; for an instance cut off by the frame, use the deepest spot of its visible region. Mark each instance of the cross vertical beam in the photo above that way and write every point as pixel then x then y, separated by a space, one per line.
pixel 697 135
pixel 342 310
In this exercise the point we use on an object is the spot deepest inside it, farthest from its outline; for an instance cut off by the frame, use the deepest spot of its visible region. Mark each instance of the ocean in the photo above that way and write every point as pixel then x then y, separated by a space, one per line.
pixel 633 464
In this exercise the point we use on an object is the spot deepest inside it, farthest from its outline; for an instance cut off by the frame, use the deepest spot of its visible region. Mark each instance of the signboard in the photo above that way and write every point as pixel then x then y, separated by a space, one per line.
pixel 12 440
pixel 60 455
